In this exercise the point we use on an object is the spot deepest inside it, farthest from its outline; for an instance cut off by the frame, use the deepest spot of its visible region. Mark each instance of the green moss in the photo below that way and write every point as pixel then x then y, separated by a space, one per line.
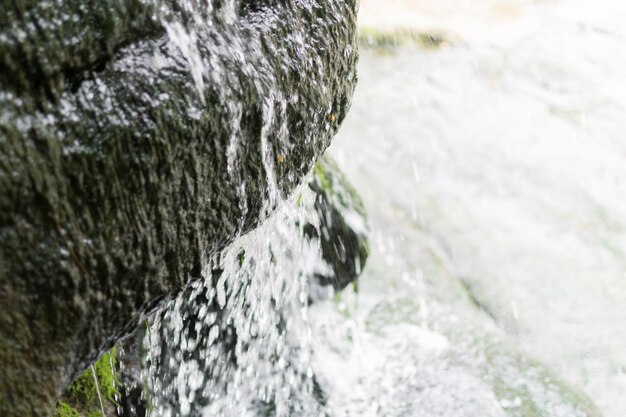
pixel 320 174
pixel 329 180
pixel 241 256
pixel 63 409
pixel 81 398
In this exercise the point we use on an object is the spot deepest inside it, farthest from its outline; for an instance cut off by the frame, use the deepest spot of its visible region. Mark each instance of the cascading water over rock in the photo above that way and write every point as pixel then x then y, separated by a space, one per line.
pixel 237 342
pixel 138 139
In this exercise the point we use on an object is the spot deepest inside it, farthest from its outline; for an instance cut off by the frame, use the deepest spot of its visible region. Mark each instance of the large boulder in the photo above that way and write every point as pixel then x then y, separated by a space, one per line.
pixel 138 138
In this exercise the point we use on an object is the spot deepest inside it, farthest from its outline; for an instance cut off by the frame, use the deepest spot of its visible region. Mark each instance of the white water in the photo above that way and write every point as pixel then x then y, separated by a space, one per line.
pixel 497 165
pixel 196 367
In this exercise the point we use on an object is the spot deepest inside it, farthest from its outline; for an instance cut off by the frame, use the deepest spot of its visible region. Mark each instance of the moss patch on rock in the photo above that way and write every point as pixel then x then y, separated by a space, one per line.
pixel 81 399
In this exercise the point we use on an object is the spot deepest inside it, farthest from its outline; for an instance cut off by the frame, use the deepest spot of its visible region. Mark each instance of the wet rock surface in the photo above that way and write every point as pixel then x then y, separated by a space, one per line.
pixel 342 229
pixel 137 140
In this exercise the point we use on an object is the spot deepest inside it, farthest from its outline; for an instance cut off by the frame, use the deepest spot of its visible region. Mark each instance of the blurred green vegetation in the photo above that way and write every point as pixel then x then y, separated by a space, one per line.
pixel 376 38
pixel 81 398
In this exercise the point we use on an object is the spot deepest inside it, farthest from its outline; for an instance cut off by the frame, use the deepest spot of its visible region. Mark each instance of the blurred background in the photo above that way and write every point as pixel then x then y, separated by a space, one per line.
pixel 487 140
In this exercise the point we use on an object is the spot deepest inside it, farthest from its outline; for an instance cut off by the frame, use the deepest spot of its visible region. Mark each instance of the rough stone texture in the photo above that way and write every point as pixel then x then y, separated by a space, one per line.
pixel 134 145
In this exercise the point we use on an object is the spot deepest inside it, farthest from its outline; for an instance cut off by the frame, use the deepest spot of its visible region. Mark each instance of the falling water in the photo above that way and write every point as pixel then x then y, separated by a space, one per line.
pixel 234 342
pixel 237 341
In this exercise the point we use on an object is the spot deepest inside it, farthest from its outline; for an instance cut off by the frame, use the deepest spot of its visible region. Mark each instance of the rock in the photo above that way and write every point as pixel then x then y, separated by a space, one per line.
pixel 342 230
pixel 134 150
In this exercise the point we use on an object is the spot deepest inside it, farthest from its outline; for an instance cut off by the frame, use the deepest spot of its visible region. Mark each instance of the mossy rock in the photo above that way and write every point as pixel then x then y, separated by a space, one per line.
pixel 128 161
pixel 343 229
pixel 82 397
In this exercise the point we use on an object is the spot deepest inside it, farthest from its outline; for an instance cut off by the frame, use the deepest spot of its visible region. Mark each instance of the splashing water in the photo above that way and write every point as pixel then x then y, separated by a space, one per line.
pixel 236 342
pixel 172 128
